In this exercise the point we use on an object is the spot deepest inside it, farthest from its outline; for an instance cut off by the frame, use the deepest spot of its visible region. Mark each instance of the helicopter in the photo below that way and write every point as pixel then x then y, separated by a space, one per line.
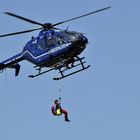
pixel 52 49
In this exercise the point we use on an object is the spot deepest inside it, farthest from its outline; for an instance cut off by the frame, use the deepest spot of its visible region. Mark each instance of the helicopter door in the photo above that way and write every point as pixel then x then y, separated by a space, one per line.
pixel 41 44
pixel 51 42
pixel 38 47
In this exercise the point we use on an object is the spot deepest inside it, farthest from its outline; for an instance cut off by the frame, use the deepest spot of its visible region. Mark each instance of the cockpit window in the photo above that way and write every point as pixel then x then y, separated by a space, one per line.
pixel 69 35
pixel 65 35
pixel 53 41
pixel 41 45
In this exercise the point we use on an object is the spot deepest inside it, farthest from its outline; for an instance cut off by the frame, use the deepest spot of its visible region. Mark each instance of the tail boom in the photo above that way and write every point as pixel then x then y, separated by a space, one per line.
pixel 12 63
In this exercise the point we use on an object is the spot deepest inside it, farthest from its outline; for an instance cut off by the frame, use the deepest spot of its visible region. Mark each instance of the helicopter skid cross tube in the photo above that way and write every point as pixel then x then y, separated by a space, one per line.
pixel 72 66
pixel 64 76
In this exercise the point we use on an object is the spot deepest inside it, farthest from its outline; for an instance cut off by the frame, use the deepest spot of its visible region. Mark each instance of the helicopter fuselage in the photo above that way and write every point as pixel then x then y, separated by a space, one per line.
pixel 50 46
pixel 49 49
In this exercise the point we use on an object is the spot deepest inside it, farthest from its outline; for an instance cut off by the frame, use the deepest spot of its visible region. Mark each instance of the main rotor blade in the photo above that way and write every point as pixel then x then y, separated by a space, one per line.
pixel 23 18
pixel 21 32
pixel 82 16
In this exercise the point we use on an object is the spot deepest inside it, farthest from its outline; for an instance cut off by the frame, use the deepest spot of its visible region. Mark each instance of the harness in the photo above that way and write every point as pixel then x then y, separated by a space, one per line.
pixel 58 111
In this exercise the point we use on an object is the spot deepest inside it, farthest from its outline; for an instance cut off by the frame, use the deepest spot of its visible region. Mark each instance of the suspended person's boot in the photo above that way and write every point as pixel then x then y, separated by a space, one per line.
pixel 67 120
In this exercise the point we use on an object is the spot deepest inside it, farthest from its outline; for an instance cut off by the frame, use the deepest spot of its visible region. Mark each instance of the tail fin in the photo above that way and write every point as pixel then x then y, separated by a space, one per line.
pixel 17 68
pixel 2 66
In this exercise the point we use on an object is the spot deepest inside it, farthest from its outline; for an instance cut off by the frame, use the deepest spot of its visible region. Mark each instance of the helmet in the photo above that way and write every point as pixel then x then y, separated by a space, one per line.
pixel 56 101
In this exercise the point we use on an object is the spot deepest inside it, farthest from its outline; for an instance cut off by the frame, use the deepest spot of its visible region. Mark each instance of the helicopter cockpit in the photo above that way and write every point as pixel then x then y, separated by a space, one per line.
pixel 74 37
pixel 52 39
pixel 68 37
pixel 71 35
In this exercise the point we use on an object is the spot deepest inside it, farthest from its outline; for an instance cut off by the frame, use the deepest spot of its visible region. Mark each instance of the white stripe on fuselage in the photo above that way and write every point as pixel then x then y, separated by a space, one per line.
pixel 48 52
pixel 39 56
pixel 13 60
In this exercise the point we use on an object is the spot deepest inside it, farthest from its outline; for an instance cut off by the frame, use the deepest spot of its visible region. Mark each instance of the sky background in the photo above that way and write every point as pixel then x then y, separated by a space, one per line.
pixel 103 102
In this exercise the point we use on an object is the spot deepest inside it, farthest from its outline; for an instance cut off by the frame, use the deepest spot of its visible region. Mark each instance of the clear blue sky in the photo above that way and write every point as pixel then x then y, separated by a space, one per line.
pixel 103 101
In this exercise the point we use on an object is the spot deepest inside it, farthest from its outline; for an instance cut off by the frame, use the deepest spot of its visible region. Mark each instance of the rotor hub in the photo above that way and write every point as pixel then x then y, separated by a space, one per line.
pixel 47 25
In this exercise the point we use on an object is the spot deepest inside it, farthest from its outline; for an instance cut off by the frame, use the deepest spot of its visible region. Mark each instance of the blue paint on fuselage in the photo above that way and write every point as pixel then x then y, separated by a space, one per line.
pixel 39 51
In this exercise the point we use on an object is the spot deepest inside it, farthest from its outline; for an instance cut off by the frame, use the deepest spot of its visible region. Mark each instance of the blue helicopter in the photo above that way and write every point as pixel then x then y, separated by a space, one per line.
pixel 53 48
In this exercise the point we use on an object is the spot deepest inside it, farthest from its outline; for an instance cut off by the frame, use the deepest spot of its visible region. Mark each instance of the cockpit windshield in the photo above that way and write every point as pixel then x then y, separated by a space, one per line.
pixel 53 40
pixel 70 35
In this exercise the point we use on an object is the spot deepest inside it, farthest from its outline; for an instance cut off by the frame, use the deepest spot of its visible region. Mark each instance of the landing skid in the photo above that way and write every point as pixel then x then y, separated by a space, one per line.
pixel 63 68
pixel 40 73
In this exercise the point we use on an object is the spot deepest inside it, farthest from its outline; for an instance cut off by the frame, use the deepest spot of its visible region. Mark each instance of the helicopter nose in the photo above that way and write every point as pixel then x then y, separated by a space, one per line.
pixel 85 40
pixel 80 39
